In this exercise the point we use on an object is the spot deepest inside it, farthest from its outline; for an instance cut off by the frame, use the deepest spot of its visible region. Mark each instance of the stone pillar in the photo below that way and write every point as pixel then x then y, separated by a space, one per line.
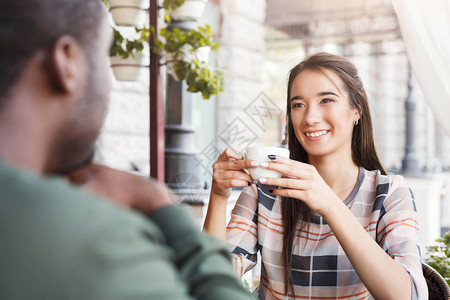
pixel 410 162
pixel 182 171
pixel 432 163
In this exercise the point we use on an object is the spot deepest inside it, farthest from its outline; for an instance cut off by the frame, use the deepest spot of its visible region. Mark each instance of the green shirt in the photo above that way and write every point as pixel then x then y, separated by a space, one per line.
pixel 58 242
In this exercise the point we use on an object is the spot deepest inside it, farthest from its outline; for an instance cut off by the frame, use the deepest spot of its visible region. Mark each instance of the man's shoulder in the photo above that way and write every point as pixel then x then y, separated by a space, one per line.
pixel 64 211
pixel 55 235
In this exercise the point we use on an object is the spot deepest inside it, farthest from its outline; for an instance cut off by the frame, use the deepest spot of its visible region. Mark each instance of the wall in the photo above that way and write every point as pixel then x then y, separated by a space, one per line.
pixel 242 51
pixel 124 140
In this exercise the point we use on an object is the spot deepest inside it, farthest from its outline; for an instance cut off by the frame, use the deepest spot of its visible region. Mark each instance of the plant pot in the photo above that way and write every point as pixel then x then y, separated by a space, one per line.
pixel 190 10
pixel 127 12
pixel 127 69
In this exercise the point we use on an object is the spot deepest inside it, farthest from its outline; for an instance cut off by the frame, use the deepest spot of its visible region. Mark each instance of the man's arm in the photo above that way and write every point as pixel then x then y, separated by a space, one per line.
pixel 203 261
pixel 166 258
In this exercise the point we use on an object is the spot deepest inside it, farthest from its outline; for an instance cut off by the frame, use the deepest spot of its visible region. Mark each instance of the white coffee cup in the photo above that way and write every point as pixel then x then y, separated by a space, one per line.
pixel 260 154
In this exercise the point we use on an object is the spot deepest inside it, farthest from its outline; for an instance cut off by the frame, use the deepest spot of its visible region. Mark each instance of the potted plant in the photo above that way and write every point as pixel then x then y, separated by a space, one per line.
pixel 185 59
pixel 183 10
pixel 439 256
pixel 127 12
pixel 126 54
pixel 183 52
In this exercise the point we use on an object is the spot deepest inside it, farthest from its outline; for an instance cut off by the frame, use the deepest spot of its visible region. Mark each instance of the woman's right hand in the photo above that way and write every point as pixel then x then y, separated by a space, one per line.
pixel 228 172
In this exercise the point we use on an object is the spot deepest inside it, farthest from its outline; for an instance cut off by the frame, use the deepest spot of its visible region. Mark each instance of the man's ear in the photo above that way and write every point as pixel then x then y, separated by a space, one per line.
pixel 66 65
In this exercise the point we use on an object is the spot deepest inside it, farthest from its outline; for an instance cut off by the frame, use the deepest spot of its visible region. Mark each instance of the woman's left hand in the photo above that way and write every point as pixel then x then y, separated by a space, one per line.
pixel 301 181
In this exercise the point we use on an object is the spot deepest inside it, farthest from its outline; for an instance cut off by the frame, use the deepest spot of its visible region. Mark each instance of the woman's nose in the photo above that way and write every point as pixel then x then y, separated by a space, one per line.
pixel 312 116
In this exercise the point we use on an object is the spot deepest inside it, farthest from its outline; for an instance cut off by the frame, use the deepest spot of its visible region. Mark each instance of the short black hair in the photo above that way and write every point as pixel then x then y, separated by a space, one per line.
pixel 27 26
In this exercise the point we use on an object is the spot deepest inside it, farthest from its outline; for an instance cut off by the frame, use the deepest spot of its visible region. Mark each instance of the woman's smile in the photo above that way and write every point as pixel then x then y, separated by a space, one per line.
pixel 316 135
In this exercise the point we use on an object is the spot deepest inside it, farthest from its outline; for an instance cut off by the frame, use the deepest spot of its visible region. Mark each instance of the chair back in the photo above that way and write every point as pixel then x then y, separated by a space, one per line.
pixel 438 288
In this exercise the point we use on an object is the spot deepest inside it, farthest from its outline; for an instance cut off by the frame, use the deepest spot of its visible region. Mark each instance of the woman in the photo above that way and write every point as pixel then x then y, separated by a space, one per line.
pixel 335 226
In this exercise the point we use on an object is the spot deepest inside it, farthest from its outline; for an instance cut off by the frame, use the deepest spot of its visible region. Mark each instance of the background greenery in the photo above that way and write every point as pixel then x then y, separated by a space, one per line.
pixel 440 256
pixel 179 48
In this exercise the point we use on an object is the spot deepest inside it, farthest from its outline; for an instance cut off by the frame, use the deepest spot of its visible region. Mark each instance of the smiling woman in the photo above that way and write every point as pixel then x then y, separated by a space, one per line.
pixel 348 229
pixel 321 115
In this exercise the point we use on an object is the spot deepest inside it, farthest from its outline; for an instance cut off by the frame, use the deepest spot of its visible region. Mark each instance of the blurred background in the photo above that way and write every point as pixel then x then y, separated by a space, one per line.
pixel 400 64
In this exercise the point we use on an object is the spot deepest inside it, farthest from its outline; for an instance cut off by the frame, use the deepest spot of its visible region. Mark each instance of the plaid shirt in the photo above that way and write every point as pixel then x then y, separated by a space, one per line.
pixel 384 206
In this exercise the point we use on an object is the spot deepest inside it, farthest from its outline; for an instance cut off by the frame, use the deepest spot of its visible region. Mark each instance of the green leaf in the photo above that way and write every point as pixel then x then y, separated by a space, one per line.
pixel 170 5
pixel 440 256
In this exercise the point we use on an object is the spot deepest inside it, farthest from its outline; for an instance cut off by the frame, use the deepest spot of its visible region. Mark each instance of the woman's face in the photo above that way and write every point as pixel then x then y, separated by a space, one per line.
pixel 321 114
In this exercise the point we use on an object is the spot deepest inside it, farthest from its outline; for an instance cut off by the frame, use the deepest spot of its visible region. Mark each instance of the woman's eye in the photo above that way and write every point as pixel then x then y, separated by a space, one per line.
pixel 297 105
pixel 326 100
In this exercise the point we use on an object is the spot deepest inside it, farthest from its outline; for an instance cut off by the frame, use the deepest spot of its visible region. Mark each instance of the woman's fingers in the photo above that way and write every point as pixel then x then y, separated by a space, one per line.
pixel 288 183
pixel 297 194
pixel 228 170
pixel 290 168
pixel 233 182
pixel 231 159
pixel 232 164
pixel 229 153
pixel 228 175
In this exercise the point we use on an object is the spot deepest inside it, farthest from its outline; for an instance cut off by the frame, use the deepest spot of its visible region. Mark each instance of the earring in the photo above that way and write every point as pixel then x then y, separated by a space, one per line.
pixel 356 122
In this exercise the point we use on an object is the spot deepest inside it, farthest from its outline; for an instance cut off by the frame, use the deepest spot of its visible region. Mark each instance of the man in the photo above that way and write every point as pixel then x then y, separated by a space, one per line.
pixel 56 240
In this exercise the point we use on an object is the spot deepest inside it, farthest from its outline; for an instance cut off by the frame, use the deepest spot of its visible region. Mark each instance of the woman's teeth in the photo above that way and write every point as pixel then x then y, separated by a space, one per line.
pixel 316 133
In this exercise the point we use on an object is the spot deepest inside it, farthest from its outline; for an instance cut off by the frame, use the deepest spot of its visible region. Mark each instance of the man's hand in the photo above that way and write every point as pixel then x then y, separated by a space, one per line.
pixel 144 195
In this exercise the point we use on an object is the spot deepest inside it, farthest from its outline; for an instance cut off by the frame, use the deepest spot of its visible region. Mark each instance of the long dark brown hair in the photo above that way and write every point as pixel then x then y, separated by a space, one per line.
pixel 363 149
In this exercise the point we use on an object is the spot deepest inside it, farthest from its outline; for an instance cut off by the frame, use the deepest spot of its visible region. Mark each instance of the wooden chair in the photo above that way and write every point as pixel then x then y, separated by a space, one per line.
pixel 438 288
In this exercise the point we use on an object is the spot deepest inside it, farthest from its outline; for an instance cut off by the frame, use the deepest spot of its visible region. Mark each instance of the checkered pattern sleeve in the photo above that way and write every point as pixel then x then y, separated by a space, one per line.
pixel 398 228
pixel 242 232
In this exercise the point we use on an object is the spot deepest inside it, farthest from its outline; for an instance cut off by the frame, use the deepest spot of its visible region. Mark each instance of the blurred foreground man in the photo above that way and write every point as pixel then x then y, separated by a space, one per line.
pixel 57 240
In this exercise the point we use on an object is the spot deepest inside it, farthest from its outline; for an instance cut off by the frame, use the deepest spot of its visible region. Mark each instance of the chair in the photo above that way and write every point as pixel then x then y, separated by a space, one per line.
pixel 438 288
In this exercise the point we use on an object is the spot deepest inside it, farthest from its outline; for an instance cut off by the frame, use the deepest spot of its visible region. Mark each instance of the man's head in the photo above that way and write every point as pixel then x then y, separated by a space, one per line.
pixel 65 41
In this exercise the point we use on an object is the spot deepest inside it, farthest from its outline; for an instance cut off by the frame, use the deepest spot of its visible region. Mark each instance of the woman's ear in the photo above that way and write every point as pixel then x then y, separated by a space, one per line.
pixel 66 65
pixel 358 113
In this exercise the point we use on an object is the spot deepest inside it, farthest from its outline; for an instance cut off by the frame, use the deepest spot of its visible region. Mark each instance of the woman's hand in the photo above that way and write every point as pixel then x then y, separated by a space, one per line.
pixel 228 172
pixel 301 181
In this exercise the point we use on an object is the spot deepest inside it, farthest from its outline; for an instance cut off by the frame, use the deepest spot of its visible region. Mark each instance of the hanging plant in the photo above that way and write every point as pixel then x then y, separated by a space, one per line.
pixel 126 47
pixel 126 54
pixel 184 9
pixel 127 12
pixel 181 50
pixel 170 5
